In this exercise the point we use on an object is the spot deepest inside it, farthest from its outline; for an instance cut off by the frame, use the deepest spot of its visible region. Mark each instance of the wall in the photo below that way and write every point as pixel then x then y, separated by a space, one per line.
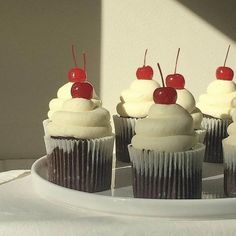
pixel 35 56
pixel 131 26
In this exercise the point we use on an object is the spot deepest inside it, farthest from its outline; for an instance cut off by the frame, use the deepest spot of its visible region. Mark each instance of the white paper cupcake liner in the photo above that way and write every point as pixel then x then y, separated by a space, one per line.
pixel 124 130
pixel 201 135
pixel 216 132
pixel 229 169
pixel 84 165
pixel 167 174
pixel 45 123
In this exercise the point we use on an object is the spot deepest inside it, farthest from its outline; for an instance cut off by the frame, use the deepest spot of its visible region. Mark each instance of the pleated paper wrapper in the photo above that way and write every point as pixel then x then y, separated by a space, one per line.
pixel 201 135
pixel 166 175
pixel 84 165
pixel 216 132
pixel 229 169
pixel 124 130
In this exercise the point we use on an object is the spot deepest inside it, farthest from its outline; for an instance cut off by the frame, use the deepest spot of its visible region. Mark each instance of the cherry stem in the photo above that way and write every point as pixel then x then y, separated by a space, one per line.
pixel 73 53
pixel 176 61
pixel 162 78
pixel 226 55
pixel 145 55
pixel 84 58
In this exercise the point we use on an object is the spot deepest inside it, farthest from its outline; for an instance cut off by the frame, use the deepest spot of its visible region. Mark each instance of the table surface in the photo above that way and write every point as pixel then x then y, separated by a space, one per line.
pixel 24 212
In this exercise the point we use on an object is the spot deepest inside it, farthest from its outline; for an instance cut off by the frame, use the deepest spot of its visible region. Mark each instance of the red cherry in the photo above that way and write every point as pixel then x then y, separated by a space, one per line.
pixel 224 73
pixel 176 81
pixel 82 90
pixel 144 72
pixel 165 95
pixel 76 74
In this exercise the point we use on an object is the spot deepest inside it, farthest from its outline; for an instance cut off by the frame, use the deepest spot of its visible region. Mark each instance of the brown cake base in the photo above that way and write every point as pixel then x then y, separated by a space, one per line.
pixel 230 182
pixel 216 132
pixel 125 130
pixel 84 165
pixel 167 175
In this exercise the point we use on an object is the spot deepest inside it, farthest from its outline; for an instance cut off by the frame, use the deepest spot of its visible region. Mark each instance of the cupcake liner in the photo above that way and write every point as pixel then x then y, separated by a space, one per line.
pixel 167 175
pixel 216 132
pixel 229 169
pixel 45 123
pixel 84 165
pixel 201 135
pixel 125 130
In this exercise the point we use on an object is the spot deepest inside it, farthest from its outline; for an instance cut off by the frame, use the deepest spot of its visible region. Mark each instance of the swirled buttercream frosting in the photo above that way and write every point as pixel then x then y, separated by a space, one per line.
pixel 220 99
pixel 63 94
pixel 136 101
pixel 187 101
pixel 80 118
pixel 167 128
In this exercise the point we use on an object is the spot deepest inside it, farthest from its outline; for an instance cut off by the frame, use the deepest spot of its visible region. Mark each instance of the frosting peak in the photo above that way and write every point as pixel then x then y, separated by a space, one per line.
pixel 80 118
pixel 219 99
pixel 167 128
pixel 187 101
pixel 136 101
pixel 63 94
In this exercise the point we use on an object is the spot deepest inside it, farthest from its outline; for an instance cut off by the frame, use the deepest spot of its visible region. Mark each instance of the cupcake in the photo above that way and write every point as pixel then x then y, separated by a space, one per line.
pixel 186 100
pixel 217 106
pixel 165 153
pixel 134 105
pixel 79 139
pixel 229 150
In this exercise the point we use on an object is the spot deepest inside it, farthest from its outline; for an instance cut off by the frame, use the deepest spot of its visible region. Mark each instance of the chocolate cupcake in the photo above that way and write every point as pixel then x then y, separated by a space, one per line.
pixel 134 105
pixel 217 106
pixel 229 150
pixel 165 153
pixel 79 143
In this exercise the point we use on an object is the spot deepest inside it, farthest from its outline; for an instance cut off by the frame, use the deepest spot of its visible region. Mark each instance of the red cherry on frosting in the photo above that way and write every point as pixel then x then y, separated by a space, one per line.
pixel 144 72
pixel 165 95
pixel 82 90
pixel 176 81
pixel 77 74
pixel 224 72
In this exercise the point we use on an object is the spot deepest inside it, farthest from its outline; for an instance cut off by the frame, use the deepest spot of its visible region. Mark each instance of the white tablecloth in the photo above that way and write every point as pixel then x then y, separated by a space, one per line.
pixel 23 212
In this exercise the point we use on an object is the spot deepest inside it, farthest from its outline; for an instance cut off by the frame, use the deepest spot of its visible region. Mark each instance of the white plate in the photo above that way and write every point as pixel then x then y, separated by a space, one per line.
pixel 120 201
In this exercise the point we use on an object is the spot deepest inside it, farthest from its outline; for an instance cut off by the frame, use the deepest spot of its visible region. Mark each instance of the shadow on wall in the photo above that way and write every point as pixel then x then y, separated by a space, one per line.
pixel 35 56
pixel 220 14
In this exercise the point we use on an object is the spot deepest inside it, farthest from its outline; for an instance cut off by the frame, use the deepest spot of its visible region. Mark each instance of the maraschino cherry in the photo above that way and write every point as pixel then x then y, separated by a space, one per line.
pixel 82 90
pixel 77 74
pixel 224 72
pixel 175 80
pixel 144 72
pixel 164 95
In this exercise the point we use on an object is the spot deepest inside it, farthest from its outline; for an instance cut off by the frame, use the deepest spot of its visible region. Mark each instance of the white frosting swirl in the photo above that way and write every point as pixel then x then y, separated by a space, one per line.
pixel 167 128
pixel 220 99
pixel 63 94
pixel 136 101
pixel 187 101
pixel 80 118
pixel 231 140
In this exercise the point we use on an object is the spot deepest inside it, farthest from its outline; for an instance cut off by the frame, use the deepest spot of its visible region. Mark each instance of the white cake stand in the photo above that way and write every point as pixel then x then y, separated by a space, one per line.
pixel 119 200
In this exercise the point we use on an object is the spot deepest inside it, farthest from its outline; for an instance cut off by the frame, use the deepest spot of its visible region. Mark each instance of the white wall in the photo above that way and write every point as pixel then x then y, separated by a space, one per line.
pixel 131 26
pixel 35 55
